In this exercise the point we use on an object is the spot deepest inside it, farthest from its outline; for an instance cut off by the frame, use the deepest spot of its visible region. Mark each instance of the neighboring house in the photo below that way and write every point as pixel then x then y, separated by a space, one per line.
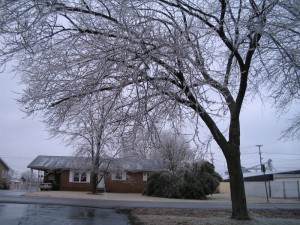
pixel 283 176
pixel 4 175
pixel 287 176
pixel 124 175
pixel 275 185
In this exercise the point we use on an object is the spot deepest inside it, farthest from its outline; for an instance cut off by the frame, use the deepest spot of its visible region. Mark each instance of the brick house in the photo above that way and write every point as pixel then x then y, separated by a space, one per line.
pixel 122 175
pixel 4 174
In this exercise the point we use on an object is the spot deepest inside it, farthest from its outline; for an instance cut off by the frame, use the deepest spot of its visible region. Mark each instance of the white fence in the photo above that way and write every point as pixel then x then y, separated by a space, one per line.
pixel 275 189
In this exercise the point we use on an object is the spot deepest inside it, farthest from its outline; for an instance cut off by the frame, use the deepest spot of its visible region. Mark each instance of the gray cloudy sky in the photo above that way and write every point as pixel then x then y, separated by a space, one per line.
pixel 22 139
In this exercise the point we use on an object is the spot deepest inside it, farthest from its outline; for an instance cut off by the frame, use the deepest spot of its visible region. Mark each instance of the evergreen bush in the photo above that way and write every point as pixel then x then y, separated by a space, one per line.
pixel 193 181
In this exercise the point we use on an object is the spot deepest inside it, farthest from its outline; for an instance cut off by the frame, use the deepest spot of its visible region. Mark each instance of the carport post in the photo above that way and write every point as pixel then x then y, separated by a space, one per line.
pixel 284 191
pixel 38 181
pixel 298 189
pixel 31 175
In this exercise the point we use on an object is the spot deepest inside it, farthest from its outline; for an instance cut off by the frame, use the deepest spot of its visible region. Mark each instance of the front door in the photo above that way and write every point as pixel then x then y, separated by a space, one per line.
pixel 101 184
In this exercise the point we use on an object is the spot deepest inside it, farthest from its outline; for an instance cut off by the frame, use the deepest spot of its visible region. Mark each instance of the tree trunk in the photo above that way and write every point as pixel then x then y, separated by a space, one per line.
pixel 96 165
pixel 237 189
pixel 95 182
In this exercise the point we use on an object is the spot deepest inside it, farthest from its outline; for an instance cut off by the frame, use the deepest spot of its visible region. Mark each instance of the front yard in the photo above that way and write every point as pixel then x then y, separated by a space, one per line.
pixel 212 217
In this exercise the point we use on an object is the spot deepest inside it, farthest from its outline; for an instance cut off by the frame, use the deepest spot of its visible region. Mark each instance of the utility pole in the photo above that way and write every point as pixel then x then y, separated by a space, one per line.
pixel 212 157
pixel 263 169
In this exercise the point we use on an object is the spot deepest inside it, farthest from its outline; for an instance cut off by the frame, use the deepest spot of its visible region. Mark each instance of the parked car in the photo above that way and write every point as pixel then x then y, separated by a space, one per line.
pixel 46 186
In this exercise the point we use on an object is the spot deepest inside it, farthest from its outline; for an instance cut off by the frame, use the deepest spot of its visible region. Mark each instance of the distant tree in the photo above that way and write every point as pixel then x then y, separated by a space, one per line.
pixel 141 143
pixel 28 177
pixel 174 149
pixel 171 148
pixel 194 181
pixel 169 60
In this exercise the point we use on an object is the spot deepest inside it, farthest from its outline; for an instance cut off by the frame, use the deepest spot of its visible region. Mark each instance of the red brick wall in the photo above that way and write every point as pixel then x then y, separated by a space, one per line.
pixel 65 185
pixel 133 184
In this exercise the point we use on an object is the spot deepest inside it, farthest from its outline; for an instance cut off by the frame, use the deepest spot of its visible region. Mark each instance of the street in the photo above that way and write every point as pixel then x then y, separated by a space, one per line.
pixel 121 203
pixel 35 214
pixel 17 208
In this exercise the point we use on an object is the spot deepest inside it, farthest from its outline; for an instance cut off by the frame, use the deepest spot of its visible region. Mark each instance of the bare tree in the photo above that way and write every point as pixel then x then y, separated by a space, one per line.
pixel 293 129
pixel 139 142
pixel 171 148
pixel 28 177
pixel 92 128
pixel 174 150
pixel 168 60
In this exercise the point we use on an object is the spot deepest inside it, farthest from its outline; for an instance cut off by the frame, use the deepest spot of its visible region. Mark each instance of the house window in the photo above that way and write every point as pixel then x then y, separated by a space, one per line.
pixel 83 177
pixel 79 176
pixel 118 175
pixel 145 176
pixel 76 177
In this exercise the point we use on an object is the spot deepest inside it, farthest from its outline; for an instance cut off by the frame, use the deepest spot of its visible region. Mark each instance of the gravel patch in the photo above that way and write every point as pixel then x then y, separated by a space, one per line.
pixel 212 217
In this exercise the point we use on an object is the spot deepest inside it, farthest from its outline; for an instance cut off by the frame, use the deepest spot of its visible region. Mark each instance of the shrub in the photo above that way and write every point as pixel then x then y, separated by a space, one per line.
pixel 194 181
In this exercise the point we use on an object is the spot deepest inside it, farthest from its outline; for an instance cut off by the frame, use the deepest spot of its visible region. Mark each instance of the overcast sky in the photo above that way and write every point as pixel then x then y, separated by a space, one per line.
pixel 22 139
pixel 260 125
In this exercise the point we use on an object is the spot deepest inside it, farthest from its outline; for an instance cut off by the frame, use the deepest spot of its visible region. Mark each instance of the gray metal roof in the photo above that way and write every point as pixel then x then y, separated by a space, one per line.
pixel 84 163
pixel 42 162
pixel 137 164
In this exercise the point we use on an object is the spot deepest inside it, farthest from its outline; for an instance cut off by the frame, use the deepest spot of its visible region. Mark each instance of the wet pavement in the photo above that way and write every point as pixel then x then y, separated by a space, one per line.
pixel 127 201
pixel 36 214
pixel 27 208
pixel 12 193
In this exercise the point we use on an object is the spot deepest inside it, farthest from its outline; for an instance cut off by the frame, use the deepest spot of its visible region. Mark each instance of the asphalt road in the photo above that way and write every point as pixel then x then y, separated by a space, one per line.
pixel 16 209
pixel 36 214
pixel 16 197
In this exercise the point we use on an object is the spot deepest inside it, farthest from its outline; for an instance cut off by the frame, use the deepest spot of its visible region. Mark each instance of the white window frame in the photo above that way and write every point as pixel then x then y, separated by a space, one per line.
pixel 122 177
pixel 80 173
pixel 145 176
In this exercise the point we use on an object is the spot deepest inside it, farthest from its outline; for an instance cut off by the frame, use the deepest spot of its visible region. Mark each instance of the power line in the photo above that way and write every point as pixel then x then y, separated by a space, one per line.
pixel 280 153
pixel 212 157
pixel 17 157
pixel 252 153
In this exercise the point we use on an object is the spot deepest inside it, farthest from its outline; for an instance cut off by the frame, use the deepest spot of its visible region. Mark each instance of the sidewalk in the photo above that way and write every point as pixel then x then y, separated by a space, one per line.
pixel 139 197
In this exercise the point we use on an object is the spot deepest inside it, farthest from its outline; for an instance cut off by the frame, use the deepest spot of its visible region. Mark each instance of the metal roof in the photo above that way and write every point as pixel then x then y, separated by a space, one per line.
pixel 137 164
pixel 42 162
pixel 84 163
